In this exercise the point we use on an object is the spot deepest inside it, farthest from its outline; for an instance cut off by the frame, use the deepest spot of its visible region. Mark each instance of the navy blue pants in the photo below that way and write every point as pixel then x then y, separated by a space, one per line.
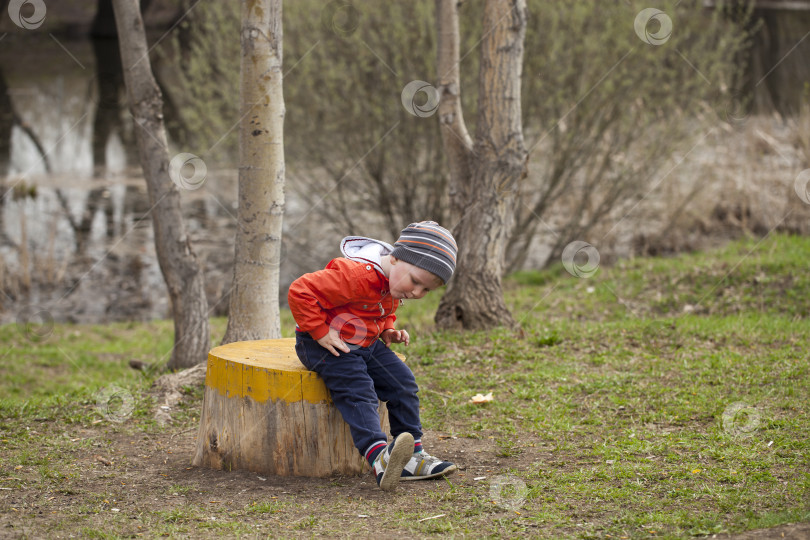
pixel 357 380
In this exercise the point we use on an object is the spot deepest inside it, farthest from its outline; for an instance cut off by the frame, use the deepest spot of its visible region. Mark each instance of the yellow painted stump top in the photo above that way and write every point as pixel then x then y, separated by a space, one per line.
pixel 272 353
pixel 266 369
pixel 263 369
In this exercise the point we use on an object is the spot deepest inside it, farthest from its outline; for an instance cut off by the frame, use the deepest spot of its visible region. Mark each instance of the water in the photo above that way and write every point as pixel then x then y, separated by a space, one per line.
pixel 75 228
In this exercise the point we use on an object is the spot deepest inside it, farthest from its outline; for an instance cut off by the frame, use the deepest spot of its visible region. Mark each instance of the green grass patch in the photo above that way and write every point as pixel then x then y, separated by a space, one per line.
pixel 660 397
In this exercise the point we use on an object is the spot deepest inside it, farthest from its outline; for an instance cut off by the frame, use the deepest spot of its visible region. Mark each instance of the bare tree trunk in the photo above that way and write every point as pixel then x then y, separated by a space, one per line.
pixel 108 111
pixel 254 311
pixel 455 138
pixel 178 262
pixel 484 175
pixel 779 53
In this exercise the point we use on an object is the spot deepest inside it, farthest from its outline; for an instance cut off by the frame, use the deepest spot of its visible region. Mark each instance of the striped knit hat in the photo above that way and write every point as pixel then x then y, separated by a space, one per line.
pixel 429 246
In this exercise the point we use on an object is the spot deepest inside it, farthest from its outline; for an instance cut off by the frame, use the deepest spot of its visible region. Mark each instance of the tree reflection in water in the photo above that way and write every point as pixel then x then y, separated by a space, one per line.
pixel 75 224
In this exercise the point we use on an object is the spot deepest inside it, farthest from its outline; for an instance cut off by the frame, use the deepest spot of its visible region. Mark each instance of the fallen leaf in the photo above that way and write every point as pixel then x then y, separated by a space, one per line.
pixel 481 398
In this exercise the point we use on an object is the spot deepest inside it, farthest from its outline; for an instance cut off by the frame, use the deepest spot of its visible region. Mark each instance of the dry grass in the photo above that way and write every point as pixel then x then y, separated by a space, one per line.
pixel 736 180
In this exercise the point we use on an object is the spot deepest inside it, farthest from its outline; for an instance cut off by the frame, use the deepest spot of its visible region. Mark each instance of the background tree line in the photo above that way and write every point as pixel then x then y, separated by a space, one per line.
pixel 602 110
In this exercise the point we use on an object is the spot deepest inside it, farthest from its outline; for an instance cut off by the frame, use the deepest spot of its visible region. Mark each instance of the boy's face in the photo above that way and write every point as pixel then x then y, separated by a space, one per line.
pixel 409 281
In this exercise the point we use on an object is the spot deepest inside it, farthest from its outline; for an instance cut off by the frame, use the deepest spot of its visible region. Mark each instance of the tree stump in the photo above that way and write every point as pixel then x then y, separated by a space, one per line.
pixel 263 411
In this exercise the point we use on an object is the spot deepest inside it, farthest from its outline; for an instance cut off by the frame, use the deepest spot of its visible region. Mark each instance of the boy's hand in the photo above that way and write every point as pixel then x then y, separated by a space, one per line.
pixel 332 342
pixel 395 336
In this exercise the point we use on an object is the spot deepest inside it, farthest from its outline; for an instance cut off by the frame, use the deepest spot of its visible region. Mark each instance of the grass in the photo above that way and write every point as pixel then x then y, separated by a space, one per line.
pixel 660 397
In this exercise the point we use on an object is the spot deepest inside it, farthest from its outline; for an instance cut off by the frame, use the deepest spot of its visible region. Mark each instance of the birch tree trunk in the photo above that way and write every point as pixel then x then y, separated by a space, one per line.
pixel 484 172
pixel 254 310
pixel 178 262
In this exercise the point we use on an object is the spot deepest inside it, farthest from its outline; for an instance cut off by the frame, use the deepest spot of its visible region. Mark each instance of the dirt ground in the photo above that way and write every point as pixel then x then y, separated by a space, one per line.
pixel 142 485
pixel 800 531
pixel 138 474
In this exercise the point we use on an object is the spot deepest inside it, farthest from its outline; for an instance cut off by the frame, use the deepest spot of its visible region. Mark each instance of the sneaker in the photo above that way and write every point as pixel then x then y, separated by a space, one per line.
pixel 423 466
pixel 388 465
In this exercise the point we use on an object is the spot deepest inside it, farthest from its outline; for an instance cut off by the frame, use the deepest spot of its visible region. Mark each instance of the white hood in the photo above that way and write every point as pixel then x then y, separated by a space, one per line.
pixel 365 250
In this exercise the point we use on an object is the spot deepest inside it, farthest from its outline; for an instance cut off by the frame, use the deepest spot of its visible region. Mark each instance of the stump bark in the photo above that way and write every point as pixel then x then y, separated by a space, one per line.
pixel 263 411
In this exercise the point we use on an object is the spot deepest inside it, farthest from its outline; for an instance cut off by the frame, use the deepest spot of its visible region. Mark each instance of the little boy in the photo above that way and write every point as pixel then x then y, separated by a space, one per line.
pixel 345 325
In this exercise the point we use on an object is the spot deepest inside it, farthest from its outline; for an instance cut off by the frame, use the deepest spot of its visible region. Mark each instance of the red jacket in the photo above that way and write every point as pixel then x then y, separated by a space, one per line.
pixel 349 296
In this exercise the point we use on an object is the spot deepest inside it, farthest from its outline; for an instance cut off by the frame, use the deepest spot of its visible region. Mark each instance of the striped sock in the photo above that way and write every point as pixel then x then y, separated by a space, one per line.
pixel 417 446
pixel 374 451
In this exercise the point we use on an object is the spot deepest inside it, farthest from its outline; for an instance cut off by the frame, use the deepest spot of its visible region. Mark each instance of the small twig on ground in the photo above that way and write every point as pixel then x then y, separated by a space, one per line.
pixel 184 431
pixel 431 517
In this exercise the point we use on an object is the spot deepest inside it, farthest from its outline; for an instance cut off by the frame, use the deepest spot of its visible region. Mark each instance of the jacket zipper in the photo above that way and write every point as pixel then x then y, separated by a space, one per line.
pixel 382 314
